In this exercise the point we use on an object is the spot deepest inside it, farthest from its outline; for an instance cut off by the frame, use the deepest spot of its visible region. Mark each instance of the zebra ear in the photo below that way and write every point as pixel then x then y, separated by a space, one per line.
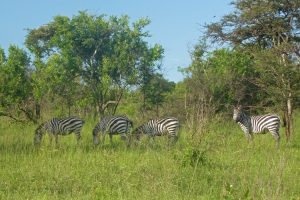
pixel 238 107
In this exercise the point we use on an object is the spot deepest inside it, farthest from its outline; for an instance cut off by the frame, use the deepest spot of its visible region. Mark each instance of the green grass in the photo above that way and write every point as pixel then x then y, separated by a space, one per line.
pixel 219 164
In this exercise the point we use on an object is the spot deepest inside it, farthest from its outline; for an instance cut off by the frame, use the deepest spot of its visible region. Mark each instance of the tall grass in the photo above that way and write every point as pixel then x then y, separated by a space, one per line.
pixel 218 164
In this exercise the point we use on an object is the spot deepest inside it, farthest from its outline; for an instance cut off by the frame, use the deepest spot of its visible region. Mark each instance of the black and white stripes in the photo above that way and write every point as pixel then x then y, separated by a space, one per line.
pixel 56 127
pixel 257 124
pixel 112 125
pixel 167 126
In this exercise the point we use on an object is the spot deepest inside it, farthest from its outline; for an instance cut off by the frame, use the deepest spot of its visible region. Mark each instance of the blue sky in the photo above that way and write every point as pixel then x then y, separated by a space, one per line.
pixel 176 25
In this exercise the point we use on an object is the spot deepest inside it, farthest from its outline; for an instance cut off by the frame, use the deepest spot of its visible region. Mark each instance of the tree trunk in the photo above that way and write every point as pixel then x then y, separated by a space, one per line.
pixel 100 110
pixel 117 102
pixel 289 118
pixel 37 111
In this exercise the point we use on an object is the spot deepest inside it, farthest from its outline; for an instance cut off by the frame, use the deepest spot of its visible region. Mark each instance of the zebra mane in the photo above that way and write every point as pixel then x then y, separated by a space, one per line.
pixel 138 129
pixel 42 125
pixel 243 116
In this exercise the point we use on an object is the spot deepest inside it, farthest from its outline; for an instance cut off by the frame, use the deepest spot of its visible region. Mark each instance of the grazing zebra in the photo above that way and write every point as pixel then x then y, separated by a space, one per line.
pixel 168 126
pixel 56 127
pixel 112 125
pixel 257 124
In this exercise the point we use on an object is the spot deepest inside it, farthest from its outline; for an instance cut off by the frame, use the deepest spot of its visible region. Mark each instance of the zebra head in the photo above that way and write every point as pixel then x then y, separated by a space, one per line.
pixel 237 113
pixel 137 132
pixel 95 137
pixel 39 134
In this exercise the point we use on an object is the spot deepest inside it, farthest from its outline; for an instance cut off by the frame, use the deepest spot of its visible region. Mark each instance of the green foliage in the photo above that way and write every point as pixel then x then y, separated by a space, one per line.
pixel 15 83
pixel 155 92
pixel 268 31
pixel 2 56
pixel 106 53
pixel 219 78
pixel 258 23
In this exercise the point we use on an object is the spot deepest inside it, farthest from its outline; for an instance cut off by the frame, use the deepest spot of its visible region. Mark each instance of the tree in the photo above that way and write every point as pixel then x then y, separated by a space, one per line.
pixel 15 85
pixel 214 81
pixel 106 53
pixel 270 32
pixel 156 91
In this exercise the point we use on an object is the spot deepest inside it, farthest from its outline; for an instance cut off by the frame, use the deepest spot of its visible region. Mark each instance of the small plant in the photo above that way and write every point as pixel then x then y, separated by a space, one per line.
pixel 194 157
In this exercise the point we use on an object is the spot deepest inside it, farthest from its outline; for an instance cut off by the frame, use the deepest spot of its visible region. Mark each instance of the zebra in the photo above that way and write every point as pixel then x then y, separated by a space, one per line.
pixel 257 124
pixel 112 125
pixel 55 127
pixel 167 126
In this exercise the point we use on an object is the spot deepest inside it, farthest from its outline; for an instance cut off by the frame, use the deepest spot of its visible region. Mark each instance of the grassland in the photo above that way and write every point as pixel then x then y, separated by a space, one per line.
pixel 218 164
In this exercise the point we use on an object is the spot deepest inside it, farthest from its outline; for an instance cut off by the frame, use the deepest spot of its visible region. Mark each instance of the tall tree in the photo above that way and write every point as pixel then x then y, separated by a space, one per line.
pixel 215 80
pixel 106 53
pixel 15 85
pixel 270 32
pixel 156 92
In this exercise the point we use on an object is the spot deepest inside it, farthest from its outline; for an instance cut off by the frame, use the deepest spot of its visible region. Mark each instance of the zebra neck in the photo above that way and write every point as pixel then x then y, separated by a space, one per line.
pixel 245 120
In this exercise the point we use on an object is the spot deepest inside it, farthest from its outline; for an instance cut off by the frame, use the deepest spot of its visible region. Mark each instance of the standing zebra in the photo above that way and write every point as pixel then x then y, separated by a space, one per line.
pixel 167 126
pixel 112 125
pixel 257 124
pixel 56 127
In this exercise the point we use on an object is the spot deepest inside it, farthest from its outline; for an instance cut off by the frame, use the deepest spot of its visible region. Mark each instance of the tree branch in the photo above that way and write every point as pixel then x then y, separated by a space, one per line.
pixel 10 116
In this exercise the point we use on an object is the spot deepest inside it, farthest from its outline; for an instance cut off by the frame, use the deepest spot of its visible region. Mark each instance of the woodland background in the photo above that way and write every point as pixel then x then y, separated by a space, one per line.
pixel 91 66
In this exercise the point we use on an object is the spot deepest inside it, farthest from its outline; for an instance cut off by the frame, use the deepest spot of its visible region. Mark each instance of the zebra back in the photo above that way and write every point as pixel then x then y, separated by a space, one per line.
pixel 113 125
pixel 59 126
pixel 262 123
pixel 154 127
pixel 66 125
pixel 257 124
pixel 169 125
pixel 101 126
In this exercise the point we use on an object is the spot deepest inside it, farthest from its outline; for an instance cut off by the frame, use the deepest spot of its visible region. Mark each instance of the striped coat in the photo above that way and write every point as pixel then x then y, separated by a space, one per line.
pixel 257 124
pixel 167 126
pixel 112 125
pixel 56 127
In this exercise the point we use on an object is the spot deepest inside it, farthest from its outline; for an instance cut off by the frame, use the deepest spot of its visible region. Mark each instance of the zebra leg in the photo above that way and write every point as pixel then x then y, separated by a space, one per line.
pixel 50 138
pixel 123 137
pixel 151 137
pixel 110 138
pixel 78 137
pixel 96 139
pixel 249 136
pixel 129 138
pixel 102 138
pixel 153 143
pixel 56 139
pixel 174 138
pixel 276 137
